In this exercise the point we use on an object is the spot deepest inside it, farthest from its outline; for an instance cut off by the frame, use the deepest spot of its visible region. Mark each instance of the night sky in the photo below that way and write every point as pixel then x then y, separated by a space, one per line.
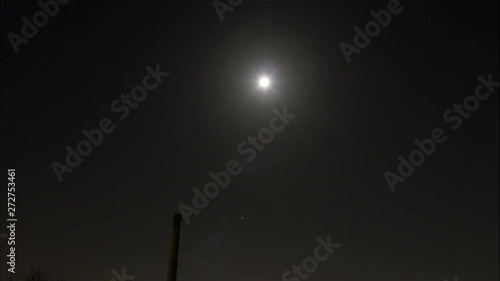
pixel 322 175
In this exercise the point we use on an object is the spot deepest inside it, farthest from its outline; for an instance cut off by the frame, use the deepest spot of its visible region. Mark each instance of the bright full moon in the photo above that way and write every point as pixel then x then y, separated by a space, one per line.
pixel 264 82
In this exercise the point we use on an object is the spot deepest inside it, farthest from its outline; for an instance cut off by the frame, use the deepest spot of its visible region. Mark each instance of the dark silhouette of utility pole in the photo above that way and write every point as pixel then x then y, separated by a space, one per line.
pixel 174 248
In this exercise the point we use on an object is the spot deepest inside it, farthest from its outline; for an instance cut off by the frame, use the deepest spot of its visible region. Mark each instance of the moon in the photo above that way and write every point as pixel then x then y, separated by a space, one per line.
pixel 264 82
